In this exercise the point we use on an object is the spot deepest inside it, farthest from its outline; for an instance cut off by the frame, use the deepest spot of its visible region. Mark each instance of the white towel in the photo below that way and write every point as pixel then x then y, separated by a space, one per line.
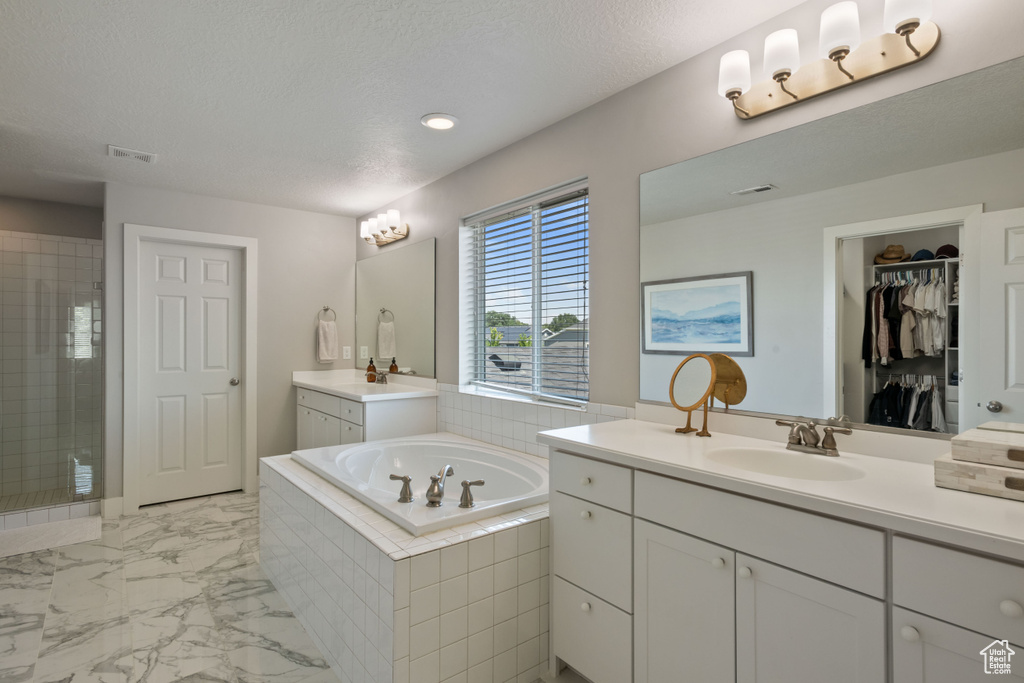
pixel 326 341
pixel 386 342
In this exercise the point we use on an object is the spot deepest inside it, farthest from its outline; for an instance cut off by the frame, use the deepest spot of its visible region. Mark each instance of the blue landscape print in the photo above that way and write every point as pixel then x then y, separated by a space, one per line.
pixel 702 315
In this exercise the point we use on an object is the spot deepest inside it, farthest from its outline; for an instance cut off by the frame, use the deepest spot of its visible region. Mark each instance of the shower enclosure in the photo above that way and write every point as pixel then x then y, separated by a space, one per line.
pixel 51 381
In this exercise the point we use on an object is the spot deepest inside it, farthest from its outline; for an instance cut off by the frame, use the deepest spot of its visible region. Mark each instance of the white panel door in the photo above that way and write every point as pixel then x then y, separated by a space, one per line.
pixel 1001 311
pixel 190 352
pixel 926 650
pixel 791 627
pixel 684 623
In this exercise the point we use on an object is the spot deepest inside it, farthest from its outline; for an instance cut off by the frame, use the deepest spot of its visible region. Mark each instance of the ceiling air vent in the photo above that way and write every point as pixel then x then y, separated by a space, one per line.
pixel 752 190
pixel 125 153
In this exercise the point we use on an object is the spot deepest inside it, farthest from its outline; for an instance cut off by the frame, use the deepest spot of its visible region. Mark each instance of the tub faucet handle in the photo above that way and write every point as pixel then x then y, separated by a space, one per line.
pixel 467 495
pixel 406 495
pixel 435 492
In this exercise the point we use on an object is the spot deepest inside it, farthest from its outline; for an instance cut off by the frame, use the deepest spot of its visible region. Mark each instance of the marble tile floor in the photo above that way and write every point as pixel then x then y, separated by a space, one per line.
pixel 172 594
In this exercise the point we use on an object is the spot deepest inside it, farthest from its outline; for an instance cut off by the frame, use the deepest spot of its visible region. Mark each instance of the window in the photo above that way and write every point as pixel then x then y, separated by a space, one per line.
pixel 529 275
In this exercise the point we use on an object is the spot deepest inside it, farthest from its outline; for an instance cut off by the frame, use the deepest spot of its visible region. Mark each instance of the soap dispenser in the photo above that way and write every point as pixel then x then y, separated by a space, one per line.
pixel 371 372
pixel 394 366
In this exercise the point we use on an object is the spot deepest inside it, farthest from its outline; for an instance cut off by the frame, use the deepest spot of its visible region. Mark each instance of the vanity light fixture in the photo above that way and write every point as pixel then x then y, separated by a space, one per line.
pixel 909 37
pixel 384 229
pixel 439 121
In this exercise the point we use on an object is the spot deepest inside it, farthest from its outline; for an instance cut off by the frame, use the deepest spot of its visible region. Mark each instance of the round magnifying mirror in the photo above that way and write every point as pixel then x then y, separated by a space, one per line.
pixel 730 383
pixel 690 386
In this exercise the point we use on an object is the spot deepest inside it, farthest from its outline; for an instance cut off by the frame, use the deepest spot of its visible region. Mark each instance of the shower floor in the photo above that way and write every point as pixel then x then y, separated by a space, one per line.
pixel 20 501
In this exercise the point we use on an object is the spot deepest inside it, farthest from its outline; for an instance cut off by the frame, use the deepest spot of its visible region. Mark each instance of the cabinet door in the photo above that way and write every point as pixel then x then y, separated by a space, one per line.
pixel 925 650
pixel 326 430
pixel 304 427
pixel 684 608
pixel 791 627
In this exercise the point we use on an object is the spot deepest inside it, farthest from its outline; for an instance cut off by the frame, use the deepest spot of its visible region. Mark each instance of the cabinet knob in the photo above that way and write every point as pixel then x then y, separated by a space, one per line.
pixel 1011 609
pixel 586 481
pixel 348 429
pixel 744 572
pixel 585 607
pixel 910 634
pixel 718 563
pixel 586 514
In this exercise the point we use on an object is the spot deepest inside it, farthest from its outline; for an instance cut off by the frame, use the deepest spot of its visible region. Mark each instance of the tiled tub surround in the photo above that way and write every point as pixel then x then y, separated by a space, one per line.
pixel 462 605
pixel 50 385
pixel 513 422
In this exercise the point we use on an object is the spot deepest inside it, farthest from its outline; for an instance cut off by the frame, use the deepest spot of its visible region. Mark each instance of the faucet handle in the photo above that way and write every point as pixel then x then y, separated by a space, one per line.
pixel 829 442
pixel 406 494
pixel 467 495
pixel 794 430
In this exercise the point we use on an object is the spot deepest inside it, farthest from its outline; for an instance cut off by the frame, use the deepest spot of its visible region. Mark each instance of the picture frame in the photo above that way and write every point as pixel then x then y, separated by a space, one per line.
pixel 703 314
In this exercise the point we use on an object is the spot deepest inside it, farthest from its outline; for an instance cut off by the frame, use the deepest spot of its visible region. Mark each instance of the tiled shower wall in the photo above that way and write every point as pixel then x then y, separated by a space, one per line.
pixel 50 385
pixel 510 423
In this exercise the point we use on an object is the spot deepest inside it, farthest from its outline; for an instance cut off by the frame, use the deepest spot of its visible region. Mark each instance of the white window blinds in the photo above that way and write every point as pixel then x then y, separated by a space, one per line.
pixel 530 277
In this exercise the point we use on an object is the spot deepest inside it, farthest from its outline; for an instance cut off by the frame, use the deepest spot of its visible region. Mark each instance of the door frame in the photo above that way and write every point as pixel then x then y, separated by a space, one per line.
pixel 833 278
pixel 134 236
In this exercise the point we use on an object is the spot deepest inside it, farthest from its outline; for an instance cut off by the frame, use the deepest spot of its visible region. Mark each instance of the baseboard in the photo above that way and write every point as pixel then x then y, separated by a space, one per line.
pixel 112 508
pixel 50 535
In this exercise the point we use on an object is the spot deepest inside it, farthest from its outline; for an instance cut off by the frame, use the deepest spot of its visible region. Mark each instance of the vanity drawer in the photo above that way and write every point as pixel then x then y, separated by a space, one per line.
pixel 350 411
pixel 592 548
pixel 599 482
pixel 839 552
pixel 964 589
pixel 590 635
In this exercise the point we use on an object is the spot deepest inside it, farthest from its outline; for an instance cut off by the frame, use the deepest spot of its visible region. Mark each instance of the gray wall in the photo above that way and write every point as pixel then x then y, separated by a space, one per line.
pixel 306 261
pixel 670 117
pixel 50 218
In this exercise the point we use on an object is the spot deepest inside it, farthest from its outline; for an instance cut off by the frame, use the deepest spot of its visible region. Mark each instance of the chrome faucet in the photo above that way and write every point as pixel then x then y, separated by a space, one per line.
pixel 804 437
pixel 467 496
pixel 380 376
pixel 435 492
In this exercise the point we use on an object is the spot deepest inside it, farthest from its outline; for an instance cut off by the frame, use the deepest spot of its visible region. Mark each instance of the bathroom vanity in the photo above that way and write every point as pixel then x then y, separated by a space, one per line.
pixel 677 559
pixel 337 407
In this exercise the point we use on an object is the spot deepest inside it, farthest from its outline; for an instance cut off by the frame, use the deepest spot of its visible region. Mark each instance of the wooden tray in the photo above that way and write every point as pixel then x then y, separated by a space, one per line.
pixel 990 447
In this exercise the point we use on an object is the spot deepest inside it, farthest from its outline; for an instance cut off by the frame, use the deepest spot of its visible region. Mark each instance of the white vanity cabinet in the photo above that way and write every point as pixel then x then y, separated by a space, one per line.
pixel 705 604
pixel 591 527
pixel 326 420
pixel 949 605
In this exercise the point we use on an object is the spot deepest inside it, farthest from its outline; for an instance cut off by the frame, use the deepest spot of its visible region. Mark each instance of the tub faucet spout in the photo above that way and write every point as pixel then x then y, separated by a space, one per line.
pixel 435 492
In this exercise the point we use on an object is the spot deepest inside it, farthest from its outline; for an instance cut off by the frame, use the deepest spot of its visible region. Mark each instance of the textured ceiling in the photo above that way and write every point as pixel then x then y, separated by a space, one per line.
pixel 314 104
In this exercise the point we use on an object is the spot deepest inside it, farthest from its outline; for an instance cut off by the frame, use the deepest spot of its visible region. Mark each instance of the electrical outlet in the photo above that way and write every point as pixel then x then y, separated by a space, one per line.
pixel 346 352
pixel 364 352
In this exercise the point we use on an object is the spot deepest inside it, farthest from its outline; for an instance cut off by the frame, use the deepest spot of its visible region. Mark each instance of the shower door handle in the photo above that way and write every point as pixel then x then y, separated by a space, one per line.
pixel 234 382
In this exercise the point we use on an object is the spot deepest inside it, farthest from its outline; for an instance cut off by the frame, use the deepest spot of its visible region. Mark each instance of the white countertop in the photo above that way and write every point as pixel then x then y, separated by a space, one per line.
pixel 893 494
pixel 352 384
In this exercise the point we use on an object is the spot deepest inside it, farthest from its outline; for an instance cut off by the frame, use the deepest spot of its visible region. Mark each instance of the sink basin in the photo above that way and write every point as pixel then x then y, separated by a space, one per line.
pixel 783 463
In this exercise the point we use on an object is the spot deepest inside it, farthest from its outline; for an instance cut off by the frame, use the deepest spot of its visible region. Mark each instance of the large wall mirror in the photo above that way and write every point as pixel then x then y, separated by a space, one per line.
pixel 395 305
pixel 847 191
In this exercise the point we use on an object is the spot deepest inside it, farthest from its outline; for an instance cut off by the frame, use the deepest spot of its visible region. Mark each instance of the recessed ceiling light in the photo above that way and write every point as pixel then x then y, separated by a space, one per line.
pixel 439 121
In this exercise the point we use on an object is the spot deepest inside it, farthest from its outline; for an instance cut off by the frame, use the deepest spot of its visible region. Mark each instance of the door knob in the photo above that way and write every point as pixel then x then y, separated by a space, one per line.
pixel 234 381
pixel 994 407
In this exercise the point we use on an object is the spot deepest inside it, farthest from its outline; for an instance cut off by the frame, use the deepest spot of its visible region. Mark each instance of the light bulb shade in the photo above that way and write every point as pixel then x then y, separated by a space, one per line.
pixel 382 223
pixel 840 28
pixel 781 52
pixel 898 12
pixel 734 72
pixel 374 230
pixel 393 219
pixel 364 229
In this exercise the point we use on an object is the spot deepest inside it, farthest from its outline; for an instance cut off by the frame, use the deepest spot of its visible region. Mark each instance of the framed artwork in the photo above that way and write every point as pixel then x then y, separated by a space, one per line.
pixel 707 314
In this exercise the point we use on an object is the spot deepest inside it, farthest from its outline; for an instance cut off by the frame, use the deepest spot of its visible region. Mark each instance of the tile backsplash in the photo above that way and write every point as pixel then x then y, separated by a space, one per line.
pixel 512 423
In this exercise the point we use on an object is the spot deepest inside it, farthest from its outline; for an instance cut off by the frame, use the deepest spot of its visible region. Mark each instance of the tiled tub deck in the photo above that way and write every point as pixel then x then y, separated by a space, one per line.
pixel 462 605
